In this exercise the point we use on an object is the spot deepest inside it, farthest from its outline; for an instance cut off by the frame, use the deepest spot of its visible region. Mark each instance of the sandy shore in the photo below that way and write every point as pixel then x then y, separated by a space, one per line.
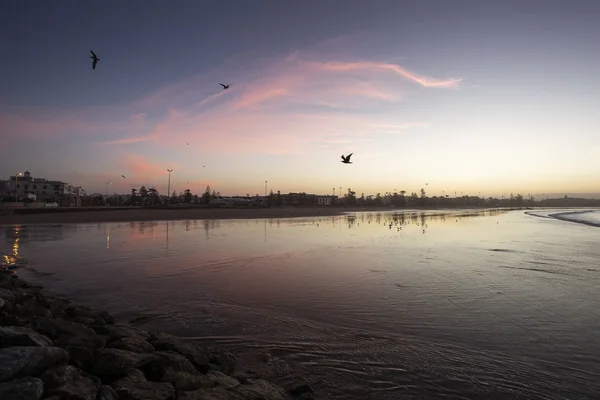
pixel 138 214
pixel 173 214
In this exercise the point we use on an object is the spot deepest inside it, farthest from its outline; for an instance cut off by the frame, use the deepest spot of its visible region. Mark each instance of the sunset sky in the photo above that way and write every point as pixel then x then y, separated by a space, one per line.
pixel 473 96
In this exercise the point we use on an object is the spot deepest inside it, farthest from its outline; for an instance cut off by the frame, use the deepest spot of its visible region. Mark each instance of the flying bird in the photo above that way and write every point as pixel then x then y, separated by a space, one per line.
pixel 187 143
pixel 224 86
pixel 123 176
pixel 95 58
pixel 346 159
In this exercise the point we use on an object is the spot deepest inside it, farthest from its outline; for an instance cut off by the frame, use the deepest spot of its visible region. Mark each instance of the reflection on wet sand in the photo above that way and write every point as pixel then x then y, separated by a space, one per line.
pixel 396 222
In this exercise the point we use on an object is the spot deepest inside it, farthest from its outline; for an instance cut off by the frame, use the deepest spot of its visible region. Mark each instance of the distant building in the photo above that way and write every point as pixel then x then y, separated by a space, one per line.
pixel 43 189
pixel 325 200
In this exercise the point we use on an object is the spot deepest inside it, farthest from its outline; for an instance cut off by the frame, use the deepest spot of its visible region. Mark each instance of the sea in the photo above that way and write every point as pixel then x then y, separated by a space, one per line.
pixel 405 304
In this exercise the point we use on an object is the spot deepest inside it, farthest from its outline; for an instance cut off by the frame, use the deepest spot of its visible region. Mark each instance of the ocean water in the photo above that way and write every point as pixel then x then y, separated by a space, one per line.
pixel 448 305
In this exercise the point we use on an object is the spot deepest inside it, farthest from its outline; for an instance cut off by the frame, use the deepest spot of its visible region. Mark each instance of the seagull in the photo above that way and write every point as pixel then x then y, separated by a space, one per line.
pixel 95 58
pixel 123 176
pixel 187 143
pixel 346 159
pixel 224 86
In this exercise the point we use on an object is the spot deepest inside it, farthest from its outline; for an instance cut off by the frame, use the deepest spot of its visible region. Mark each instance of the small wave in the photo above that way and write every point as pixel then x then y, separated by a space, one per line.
pixel 586 217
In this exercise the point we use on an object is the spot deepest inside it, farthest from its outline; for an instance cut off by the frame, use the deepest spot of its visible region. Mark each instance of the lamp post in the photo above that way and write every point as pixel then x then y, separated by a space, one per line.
pixel 169 184
pixel 106 193
pixel 17 185
pixel 265 189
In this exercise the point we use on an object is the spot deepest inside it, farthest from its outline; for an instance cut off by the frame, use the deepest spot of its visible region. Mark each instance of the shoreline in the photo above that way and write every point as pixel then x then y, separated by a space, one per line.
pixel 52 349
pixel 138 215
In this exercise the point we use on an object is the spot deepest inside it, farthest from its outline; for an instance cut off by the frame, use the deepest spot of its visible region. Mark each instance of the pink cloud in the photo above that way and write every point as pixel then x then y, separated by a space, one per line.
pixel 374 67
pixel 140 166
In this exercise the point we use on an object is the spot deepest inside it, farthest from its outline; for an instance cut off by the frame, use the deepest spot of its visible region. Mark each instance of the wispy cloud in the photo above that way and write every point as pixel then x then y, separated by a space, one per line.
pixel 374 67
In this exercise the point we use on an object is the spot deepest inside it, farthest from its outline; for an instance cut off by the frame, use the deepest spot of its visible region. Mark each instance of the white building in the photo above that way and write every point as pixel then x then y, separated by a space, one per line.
pixel 24 184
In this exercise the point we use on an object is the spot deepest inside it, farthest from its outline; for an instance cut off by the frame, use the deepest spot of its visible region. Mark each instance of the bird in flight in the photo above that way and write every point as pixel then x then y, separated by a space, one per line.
pixel 224 86
pixel 187 143
pixel 95 58
pixel 123 176
pixel 346 159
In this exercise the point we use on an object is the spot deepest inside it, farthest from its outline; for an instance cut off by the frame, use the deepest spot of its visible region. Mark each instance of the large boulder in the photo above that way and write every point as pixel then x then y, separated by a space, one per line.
pixel 118 331
pixel 7 319
pixel 136 387
pixel 19 361
pixel 82 312
pixel 216 393
pixel 136 345
pixel 111 364
pixel 107 393
pixel 7 295
pixel 155 365
pixel 19 336
pixel 22 389
pixel 55 328
pixel 204 358
pixel 258 389
pixel 69 382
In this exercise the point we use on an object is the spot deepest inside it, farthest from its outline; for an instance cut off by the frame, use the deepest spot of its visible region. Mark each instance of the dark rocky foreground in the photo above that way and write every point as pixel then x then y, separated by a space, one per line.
pixel 51 349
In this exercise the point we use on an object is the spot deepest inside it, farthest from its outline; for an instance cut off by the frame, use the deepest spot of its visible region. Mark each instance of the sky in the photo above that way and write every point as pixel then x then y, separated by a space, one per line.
pixel 467 96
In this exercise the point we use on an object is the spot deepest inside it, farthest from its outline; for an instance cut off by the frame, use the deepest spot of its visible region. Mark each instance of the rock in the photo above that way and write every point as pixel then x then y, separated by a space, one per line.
pixel 217 378
pixel 245 376
pixel 20 361
pixel 93 341
pixel 1 302
pixel 118 331
pixel 135 345
pixel 258 389
pixel 100 318
pixel 111 364
pixel 18 336
pixel 7 319
pixel 184 381
pixel 81 357
pixel 200 356
pixel 107 393
pixel 69 382
pixel 302 391
pixel 136 387
pixel 208 394
pixel 31 308
pixel 54 328
pixel 85 321
pixel 7 295
pixel 22 389
pixel 155 365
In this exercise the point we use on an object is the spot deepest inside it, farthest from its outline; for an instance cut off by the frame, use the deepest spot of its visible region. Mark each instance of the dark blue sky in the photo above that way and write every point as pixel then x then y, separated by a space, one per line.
pixel 528 66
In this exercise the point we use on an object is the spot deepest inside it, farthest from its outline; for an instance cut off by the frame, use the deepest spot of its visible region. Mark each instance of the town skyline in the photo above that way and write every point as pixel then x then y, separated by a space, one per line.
pixel 121 188
pixel 471 97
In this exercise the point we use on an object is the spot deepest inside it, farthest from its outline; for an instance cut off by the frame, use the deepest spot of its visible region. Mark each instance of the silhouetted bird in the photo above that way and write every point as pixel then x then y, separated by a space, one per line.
pixel 187 143
pixel 346 159
pixel 224 86
pixel 95 58
pixel 123 176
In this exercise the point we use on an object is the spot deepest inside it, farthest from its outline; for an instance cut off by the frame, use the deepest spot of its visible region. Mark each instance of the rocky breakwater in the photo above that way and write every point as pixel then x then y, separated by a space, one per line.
pixel 51 349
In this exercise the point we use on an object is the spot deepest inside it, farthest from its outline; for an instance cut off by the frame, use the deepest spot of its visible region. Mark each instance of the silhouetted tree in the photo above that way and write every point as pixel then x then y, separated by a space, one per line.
pixel 187 196
pixel 278 199
pixel 206 195
pixel 350 197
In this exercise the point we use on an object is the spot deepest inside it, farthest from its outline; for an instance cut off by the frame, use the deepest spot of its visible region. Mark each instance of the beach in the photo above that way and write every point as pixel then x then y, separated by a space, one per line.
pixel 79 216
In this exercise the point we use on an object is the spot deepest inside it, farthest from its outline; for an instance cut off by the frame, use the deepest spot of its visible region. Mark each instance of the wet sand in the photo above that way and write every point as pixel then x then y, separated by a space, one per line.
pixel 137 214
